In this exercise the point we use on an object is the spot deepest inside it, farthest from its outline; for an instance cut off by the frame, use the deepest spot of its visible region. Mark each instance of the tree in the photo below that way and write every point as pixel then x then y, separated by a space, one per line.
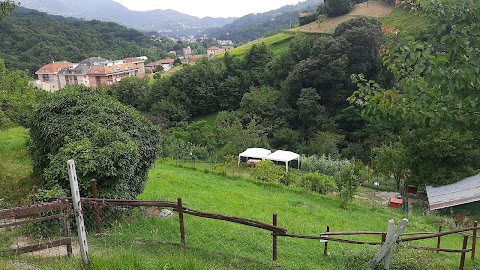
pixel 311 115
pixel 234 137
pixel 6 7
pixel 440 156
pixel 17 96
pixel 131 91
pixel 268 106
pixel 391 161
pixel 325 71
pixel 335 8
pixel 109 141
pixel 437 83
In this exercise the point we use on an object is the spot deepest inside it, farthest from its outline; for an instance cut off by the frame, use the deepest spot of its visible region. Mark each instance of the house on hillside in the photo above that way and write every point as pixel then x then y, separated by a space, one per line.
pixel 77 74
pixel 463 196
pixel 111 74
pixel 193 58
pixel 96 71
pixel 214 50
pixel 306 18
pixel 47 78
pixel 166 64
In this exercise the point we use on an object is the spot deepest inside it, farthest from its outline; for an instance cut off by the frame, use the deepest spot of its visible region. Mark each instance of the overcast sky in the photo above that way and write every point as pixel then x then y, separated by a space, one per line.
pixel 212 8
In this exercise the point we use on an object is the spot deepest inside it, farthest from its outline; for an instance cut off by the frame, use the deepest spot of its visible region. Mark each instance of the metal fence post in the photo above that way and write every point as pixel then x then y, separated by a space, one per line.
pixel 325 249
pixel 77 207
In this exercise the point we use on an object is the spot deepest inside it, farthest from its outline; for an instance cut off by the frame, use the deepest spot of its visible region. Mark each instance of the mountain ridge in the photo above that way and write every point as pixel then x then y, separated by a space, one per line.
pixel 168 22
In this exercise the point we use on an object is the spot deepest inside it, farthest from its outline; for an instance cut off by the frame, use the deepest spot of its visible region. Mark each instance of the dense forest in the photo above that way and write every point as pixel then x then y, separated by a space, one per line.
pixel 29 39
pixel 298 101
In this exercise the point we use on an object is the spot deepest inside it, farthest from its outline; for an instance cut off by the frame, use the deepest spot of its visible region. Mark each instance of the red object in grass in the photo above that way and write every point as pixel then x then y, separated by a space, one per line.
pixel 396 202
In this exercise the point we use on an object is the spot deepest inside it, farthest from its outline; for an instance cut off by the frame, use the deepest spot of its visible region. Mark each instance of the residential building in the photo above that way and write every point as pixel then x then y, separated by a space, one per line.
pixel 225 43
pixel 166 64
pixel 187 51
pixel 90 72
pixel 214 50
pixel 192 59
pixel 47 78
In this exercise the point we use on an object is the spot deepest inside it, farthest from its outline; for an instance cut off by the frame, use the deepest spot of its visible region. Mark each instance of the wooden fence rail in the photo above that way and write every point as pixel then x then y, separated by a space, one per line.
pixel 18 216
pixel 277 231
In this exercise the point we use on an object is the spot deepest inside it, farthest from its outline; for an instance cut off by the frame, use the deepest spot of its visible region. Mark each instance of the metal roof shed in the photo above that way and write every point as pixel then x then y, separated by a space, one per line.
pixel 256 153
pixel 463 192
pixel 284 156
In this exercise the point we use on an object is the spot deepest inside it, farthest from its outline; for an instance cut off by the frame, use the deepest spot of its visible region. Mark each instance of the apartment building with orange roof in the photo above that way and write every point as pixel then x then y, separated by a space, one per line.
pixel 47 76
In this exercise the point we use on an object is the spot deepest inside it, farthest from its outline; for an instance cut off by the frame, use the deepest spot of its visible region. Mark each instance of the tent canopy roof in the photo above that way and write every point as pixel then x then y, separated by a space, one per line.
pixel 260 153
pixel 284 156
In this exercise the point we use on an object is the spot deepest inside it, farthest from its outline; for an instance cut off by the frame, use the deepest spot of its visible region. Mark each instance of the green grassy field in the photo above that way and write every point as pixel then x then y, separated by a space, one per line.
pixel 276 44
pixel 15 166
pixel 407 21
pixel 213 244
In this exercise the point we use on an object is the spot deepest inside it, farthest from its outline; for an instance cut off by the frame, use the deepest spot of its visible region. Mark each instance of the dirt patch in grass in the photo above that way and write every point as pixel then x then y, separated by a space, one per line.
pixel 372 8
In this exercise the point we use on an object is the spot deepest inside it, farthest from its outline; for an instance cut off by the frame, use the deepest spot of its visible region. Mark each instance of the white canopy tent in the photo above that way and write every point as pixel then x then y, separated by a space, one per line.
pixel 256 153
pixel 284 156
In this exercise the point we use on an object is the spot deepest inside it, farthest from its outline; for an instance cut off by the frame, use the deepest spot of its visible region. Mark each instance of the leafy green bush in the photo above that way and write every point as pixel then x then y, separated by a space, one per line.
pixel 267 171
pixel 338 7
pixel 316 182
pixel 109 142
pixel 324 165
pixel 347 182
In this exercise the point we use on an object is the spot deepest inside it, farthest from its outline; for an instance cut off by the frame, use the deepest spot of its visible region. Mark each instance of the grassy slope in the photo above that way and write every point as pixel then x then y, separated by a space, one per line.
pixel 215 244
pixel 407 21
pixel 15 166
pixel 276 44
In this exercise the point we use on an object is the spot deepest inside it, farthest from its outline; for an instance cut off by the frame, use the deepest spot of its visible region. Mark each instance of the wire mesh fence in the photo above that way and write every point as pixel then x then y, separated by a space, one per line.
pixel 40 230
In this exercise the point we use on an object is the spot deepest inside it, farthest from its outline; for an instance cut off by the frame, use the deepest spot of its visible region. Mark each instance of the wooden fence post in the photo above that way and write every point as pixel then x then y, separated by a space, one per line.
pixel 474 239
pixel 98 224
pixel 462 258
pixel 439 238
pixel 180 218
pixel 384 237
pixel 66 224
pixel 325 249
pixel 274 239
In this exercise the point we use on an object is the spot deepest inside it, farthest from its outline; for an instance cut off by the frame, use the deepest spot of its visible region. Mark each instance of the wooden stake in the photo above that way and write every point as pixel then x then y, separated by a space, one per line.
pixel 274 239
pixel 474 240
pixel 439 237
pixel 325 249
pixel 98 224
pixel 462 258
pixel 180 218
pixel 68 233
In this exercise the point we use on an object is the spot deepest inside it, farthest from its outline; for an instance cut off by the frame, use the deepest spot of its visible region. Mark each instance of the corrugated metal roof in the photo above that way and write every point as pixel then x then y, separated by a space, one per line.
pixel 465 191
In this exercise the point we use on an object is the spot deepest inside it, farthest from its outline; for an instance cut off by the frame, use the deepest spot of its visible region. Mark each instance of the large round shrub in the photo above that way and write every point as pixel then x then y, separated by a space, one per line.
pixel 109 142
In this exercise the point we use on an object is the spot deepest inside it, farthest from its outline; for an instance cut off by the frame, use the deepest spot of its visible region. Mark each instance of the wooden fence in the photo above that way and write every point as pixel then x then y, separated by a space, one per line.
pixel 277 231
pixel 23 215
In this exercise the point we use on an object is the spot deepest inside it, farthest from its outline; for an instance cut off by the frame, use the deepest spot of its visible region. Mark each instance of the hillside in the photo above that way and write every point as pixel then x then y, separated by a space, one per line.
pixel 168 22
pixel 372 8
pixel 255 26
pixel 139 242
pixel 29 39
